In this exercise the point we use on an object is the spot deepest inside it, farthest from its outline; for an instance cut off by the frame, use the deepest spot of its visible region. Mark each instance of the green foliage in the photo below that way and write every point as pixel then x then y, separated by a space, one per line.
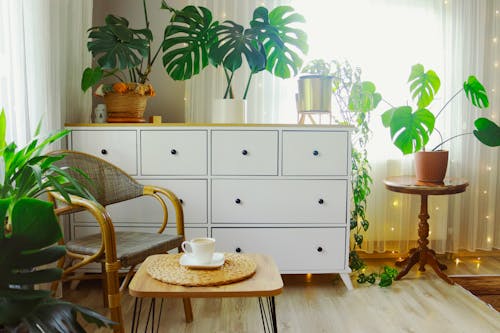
pixel 411 129
pixel 385 277
pixel 187 40
pixel 270 43
pixel 28 232
pixel 27 242
pixel 120 51
pixel 28 172
pixel 487 132
pixel 355 99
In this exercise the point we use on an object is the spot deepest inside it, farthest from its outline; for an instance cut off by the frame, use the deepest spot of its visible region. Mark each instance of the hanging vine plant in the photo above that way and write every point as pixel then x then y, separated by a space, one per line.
pixel 355 99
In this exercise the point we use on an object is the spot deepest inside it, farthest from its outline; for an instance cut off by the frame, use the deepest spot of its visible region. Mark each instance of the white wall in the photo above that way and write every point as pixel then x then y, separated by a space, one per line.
pixel 169 99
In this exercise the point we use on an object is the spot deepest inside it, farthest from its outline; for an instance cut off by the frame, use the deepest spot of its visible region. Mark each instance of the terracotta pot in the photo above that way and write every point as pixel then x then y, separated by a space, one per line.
pixel 430 166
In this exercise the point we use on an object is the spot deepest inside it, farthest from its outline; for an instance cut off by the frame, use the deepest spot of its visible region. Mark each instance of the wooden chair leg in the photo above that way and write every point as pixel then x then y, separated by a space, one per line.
pixel 104 284
pixel 188 310
pixel 113 295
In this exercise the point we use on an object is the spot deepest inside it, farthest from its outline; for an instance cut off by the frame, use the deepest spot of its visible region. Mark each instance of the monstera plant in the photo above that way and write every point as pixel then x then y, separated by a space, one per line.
pixel 26 239
pixel 271 42
pixel 411 128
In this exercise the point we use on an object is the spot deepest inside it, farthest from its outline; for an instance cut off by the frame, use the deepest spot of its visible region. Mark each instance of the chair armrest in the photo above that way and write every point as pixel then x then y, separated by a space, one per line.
pixel 102 217
pixel 179 213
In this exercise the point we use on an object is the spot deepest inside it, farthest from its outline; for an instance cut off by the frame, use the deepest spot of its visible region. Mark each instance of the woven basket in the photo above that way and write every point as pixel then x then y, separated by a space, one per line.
pixel 125 108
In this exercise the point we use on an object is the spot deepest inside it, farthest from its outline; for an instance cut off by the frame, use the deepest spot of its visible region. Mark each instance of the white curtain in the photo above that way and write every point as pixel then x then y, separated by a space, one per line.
pixel 42 56
pixel 385 38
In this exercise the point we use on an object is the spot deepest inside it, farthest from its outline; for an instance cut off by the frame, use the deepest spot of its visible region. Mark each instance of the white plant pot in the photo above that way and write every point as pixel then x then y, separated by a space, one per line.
pixel 229 111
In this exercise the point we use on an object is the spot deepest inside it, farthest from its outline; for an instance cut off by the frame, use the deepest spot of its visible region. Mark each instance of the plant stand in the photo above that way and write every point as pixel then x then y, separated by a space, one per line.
pixel 422 254
pixel 303 116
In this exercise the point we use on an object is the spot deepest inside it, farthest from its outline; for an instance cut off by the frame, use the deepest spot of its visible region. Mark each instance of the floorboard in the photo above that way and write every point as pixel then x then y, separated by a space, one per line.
pixel 420 302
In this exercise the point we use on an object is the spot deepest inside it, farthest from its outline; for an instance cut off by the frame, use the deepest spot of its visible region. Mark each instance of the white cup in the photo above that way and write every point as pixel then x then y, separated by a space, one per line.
pixel 202 249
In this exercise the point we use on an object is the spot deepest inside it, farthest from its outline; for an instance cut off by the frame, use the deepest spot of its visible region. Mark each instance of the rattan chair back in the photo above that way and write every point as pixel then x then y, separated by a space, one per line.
pixel 106 182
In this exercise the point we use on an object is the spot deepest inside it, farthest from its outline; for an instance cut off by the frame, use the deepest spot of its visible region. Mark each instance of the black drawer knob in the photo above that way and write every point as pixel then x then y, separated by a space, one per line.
pixel 321 201
pixel 181 201
pixel 238 201
pixel 104 151
pixel 319 249
pixel 244 152
pixel 238 250
pixel 315 152
pixel 173 152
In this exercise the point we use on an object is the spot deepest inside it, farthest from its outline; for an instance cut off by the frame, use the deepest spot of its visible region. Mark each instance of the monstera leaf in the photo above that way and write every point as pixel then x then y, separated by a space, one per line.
pixel 476 93
pixel 27 243
pixel 410 130
pixel 487 132
pixel 187 41
pixel 423 85
pixel 281 40
pixel 115 45
pixel 234 43
pixel 363 97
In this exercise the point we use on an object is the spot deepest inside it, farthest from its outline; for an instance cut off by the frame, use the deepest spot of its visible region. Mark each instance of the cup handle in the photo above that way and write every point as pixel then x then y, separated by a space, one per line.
pixel 183 246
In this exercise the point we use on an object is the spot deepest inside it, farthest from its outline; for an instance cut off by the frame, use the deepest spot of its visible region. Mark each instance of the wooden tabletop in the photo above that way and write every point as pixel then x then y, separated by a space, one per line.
pixel 409 184
pixel 265 282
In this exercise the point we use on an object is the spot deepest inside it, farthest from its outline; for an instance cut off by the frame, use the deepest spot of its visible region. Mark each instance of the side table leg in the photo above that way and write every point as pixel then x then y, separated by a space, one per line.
pixel 150 316
pixel 268 317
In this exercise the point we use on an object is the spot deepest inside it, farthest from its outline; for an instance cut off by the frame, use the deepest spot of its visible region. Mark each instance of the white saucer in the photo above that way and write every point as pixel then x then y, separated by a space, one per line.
pixel 188 261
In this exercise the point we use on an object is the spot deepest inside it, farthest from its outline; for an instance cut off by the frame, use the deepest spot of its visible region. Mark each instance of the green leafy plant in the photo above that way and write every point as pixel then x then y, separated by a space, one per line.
pixel 271 43
pixel 123 53
pixel 411 128
pixel 385 277
pixel 29 172
pixel 26 240
pixel 355 99
pixel 27 235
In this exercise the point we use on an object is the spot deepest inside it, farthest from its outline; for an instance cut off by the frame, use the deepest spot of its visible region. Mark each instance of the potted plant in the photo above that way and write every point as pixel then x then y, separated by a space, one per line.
pixel 27 235
pixel 125 54
pixel 315 87
pixel 410 128
pixel 271 43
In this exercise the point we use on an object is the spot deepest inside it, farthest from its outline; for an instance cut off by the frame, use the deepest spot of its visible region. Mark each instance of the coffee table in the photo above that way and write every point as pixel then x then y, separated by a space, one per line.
pixel 265 283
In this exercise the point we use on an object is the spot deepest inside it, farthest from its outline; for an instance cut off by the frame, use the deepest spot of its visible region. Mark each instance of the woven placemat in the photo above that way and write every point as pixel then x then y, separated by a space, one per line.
pixel 167 269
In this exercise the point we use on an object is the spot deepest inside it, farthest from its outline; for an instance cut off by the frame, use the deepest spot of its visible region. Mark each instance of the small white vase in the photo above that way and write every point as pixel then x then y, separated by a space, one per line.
pixel 229 111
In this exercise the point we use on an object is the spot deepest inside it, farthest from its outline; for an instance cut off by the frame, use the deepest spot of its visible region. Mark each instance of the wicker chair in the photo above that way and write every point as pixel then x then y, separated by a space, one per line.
pixel 114 250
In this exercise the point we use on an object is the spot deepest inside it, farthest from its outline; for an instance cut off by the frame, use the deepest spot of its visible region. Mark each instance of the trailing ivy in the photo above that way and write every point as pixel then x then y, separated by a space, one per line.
pixel 356 99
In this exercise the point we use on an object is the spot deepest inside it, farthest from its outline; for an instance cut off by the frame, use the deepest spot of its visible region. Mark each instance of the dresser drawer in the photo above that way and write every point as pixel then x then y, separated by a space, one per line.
pixel 315 153
pixel 174 152
pixel 279 201
pixel 245 153
pixel 116 147
pixel 192 192
pixel 295 250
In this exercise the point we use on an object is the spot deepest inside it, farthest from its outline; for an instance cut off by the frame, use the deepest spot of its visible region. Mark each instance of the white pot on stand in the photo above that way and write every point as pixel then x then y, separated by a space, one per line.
pixel 229 111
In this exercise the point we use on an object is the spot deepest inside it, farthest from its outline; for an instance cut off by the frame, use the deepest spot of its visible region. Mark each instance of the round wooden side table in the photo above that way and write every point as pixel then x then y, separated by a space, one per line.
pixel 422 254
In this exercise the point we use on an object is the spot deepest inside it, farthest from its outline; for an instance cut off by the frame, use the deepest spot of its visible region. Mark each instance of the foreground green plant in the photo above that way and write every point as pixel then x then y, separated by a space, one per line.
pixel 28 232
pixel 385 277
pixel 26 240
pixel 29 172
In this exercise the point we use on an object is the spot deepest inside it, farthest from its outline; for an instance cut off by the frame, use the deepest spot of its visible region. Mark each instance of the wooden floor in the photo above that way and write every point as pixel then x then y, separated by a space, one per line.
pixel 420 302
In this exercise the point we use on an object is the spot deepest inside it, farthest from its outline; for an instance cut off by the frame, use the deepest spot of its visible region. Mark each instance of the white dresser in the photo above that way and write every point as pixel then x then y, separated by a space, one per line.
pixel 282 190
